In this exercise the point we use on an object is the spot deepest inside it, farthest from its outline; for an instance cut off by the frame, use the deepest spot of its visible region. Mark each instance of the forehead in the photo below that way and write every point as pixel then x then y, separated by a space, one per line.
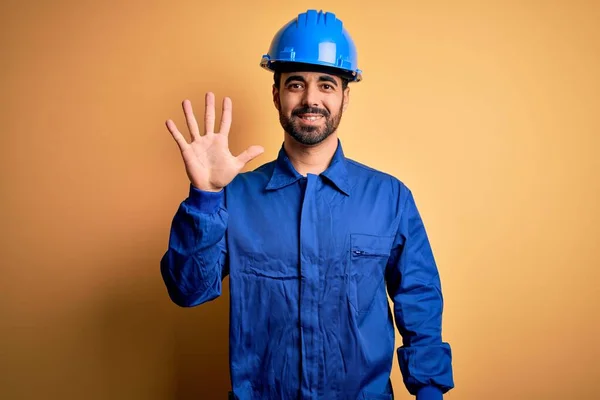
pixel 309 76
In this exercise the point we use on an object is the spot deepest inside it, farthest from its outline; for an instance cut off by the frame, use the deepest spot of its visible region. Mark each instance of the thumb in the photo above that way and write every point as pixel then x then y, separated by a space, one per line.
pixel 250 153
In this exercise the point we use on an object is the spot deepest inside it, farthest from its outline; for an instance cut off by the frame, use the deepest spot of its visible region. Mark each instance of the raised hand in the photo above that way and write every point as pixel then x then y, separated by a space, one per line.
pixel 209 164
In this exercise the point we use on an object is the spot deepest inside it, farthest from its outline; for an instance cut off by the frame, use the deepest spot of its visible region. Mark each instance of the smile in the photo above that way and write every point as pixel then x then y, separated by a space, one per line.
pixel 310 117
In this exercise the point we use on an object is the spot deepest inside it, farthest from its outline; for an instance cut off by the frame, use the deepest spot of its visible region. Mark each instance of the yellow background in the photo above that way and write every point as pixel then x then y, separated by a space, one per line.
pixel 487 110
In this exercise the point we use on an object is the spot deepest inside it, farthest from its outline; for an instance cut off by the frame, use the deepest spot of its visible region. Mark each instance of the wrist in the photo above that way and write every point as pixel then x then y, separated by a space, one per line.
pixel 203 188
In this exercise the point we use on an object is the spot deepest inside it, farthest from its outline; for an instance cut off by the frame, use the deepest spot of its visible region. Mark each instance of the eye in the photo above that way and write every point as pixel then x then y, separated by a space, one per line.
pixel 294 86
pixel 327 86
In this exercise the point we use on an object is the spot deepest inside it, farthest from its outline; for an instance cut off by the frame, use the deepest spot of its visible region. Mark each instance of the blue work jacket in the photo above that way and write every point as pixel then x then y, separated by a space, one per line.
pixel 311 261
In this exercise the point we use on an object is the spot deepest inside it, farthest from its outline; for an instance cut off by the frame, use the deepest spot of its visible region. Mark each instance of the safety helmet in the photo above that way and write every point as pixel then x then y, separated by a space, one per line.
pixel 314 39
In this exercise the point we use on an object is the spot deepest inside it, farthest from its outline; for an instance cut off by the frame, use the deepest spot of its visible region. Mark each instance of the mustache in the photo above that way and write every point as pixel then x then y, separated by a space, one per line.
pixel 310 110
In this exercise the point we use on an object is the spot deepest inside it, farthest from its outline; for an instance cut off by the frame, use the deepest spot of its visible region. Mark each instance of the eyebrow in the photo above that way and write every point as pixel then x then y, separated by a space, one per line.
pixel 322 78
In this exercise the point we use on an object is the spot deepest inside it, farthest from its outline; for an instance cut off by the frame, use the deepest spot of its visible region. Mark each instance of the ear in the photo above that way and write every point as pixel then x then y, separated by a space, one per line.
pixel 346 99
pixel 276 100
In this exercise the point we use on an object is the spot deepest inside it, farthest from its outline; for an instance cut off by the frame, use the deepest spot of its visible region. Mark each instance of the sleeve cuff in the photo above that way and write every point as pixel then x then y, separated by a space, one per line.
pixel 205 202
pixel 429 393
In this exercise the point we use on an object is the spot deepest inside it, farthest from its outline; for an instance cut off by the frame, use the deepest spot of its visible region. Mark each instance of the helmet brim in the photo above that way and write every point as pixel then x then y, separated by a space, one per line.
pixel 289 66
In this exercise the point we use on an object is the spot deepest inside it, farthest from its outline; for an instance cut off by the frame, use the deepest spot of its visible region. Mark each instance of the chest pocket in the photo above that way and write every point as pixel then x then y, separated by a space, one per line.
pixel 368 259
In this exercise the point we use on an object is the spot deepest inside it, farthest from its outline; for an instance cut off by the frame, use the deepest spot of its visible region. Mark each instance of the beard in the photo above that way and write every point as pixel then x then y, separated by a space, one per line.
pixel 307 134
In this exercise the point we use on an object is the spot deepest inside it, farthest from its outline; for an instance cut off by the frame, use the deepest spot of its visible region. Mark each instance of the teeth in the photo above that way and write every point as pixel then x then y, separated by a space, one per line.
pixel 311 118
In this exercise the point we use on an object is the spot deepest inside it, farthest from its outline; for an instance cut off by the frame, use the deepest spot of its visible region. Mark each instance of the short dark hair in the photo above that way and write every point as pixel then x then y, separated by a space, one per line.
pixel 298 67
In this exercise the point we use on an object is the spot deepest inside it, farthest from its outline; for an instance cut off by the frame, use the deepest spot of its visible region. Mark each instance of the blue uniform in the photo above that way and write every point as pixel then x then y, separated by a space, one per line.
pixel 311 262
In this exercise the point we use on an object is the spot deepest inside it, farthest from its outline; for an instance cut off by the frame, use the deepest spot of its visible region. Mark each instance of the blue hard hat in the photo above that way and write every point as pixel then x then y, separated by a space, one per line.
pixel 314 38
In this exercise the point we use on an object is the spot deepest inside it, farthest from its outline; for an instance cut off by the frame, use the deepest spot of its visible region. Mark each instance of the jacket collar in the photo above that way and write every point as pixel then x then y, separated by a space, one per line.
pixel 285 174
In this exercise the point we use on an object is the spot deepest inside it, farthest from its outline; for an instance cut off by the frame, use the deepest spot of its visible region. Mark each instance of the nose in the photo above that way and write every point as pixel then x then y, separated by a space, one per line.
pixel 311 96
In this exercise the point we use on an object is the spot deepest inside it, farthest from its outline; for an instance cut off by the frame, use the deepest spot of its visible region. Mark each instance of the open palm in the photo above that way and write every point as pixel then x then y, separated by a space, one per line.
pixel 209 164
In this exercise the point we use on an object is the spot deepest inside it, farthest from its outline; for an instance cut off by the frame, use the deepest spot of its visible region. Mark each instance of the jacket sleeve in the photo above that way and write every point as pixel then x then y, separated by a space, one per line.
pixel 415 288
pixel 196 259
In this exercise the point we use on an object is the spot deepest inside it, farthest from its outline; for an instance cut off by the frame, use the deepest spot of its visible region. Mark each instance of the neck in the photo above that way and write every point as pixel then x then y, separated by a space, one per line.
pixel 310 159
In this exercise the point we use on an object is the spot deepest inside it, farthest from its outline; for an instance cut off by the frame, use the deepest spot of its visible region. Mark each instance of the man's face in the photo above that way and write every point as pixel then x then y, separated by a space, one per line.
pixel 310 105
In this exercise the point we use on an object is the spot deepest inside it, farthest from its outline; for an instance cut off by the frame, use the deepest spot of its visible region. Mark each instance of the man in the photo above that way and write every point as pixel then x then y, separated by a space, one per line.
pixel 313 242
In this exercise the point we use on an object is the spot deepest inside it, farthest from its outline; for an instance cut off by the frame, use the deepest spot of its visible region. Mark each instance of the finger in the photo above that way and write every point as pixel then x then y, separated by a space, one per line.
pixel 190 119
pixel 250 153
pixel 209 113
pixel 226 116
pixel 179 139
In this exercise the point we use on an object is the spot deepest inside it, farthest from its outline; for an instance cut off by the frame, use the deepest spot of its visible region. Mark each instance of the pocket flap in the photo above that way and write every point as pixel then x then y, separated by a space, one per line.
pixel 371 245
